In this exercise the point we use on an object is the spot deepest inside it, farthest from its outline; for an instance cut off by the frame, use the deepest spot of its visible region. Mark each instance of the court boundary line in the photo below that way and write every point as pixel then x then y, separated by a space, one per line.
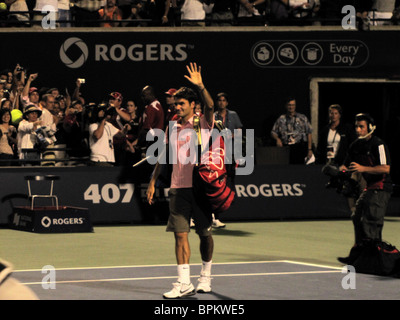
pixel 333 270
pixel 192 264
pixel 174 277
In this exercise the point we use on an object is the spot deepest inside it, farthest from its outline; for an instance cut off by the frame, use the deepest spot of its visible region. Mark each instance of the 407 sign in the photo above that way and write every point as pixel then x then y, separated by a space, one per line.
pixel 109 193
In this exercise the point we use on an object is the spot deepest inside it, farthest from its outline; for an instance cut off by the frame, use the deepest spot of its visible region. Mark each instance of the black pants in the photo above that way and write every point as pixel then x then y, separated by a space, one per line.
pixel 369 215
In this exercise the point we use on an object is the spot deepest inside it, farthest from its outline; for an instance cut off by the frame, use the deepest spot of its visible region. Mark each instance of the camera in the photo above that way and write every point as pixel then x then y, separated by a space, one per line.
pixel 44 137
pixel 342 181
pixel 109 110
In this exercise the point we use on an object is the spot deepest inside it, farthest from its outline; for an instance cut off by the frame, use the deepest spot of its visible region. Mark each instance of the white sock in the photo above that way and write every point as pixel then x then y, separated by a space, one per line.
pixel 183 273
pixel 206 267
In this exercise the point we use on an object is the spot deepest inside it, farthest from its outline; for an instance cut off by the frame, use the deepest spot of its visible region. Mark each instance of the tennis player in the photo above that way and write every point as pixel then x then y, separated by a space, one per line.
pixel 183 204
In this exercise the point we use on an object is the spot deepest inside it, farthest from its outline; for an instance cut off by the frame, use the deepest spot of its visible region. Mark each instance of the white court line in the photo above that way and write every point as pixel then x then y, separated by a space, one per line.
pixel 194 264
pixel 174 277
pixel 152 265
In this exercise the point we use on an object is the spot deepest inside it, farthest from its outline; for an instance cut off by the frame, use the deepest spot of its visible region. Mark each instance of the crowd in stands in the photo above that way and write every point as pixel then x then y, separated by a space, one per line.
pixel 171 13
pixel 44 126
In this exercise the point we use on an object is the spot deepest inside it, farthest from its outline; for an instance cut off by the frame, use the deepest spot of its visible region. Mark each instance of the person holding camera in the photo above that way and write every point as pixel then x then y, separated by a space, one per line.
pixel 101 134
pixel 26 136
pixel 368 155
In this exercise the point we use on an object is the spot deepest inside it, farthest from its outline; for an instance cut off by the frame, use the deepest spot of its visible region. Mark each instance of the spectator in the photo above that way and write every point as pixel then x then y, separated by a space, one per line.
pixel 118 119
pixel 64 13
pixel 381 9
pixel 125 7
pixel 110 12
pixel 3 85
pixel 131 155
pixel 153 118
pixel 19 19
pixel 249 12
pixel 86 12
pixel 45 10
pixel 101 134
pixel 222 13
pixel 193 13
pixel 17 87
pixel 170 104
pixel 6 104
pixel 30 95
pixel 76 138
pixel 49 127
pixel 294 131
pixel 139 11
pixel 159 12
pixel 26 136
pixel 8 138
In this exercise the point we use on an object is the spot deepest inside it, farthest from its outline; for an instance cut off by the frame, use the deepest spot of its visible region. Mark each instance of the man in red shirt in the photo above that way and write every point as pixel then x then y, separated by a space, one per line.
pixel 153 118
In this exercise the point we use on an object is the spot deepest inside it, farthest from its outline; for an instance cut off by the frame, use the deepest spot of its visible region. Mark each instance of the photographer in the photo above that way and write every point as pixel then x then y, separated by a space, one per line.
pixel 101 134
pixel 27 137
pixel 368 155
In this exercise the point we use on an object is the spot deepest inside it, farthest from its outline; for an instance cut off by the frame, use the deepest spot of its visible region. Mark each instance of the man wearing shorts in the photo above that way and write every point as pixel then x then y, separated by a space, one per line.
pixel 183 203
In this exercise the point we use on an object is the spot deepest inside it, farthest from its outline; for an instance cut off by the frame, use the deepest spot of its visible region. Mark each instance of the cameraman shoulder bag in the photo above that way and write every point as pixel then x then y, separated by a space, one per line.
pixel 210 179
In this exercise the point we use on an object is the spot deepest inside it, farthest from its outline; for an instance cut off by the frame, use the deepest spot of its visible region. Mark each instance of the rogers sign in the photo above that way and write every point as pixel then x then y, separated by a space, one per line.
pixel 136 52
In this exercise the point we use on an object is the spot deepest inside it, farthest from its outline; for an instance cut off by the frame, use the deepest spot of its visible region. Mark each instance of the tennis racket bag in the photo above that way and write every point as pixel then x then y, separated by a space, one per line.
pixel 212 177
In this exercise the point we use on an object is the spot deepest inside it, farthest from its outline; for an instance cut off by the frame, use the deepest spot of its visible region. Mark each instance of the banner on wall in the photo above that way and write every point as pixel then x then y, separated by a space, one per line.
pixel 270 192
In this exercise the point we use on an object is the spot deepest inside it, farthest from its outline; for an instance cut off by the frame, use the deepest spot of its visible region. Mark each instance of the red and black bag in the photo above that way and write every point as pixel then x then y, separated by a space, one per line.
pixel 212 177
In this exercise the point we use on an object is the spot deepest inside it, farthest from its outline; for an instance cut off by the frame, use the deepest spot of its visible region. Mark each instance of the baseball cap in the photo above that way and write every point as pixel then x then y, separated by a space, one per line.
pixel 171 92
pixel 33 89
pixel 116 95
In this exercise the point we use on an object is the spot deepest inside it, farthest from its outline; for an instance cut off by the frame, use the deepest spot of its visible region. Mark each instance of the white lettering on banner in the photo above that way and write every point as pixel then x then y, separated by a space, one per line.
pixel 141 52
pixel 269 190
pixel 109 193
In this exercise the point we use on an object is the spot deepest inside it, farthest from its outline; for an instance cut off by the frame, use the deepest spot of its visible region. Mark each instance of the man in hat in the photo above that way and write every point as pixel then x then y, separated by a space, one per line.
pixel 30 95
pixel 26 136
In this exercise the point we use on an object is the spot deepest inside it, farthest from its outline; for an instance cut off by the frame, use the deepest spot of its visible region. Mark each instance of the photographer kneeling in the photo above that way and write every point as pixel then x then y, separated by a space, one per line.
pixel 101 134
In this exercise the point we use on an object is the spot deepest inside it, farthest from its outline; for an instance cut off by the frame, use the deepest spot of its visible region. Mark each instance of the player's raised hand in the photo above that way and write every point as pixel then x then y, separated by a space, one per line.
pixel 194 75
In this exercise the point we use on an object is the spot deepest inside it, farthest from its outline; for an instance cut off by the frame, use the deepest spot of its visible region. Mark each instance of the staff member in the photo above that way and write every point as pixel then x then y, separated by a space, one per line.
pixel 368 155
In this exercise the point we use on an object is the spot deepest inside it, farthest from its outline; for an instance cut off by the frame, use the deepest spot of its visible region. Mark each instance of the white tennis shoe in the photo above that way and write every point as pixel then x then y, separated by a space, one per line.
pixel 204 285
pixel 180 290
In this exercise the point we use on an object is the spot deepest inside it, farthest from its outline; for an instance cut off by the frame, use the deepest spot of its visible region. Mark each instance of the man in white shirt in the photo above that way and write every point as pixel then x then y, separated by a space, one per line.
pixel 101 134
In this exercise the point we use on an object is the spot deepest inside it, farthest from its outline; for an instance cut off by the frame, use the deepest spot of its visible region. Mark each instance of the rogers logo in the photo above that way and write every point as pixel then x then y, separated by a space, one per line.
pixel 82 58
pixel 135 52
pixel 47 222
pixel 270 190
